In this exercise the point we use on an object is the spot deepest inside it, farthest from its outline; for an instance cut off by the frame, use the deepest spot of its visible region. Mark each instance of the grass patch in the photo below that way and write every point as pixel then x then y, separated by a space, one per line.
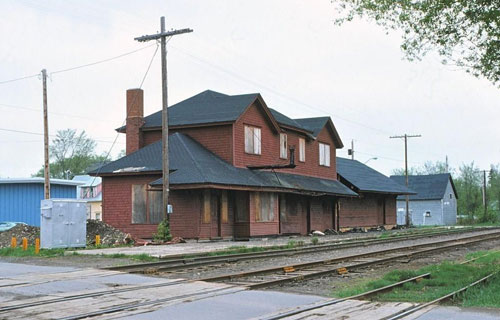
pixel 19 252
pixel 139 257
pixel 445 278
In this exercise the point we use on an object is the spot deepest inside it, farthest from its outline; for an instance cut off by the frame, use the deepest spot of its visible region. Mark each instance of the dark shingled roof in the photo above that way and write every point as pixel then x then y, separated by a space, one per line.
pixel 428 187
pixel 366 179
pixel 211 107
pixel 284 120
pixel 191 163
pixel 315 125
pixel 205 107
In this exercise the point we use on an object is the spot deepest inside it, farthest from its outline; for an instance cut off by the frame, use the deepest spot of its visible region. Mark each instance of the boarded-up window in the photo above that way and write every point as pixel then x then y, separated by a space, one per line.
pixel 283 208
pixel 224 207
pixel 324 154
pixel 155 206
pixel 283 145
pixel 265 204
pixel 302 149
pixel 207 197
pixel 139 203
pixel 252 140
pixel 241 207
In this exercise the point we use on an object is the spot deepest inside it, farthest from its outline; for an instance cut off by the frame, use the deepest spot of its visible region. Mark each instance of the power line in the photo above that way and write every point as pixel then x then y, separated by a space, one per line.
pixel 405 137
pixel 33 109
pixel 80 66
pixel 275 92
pixel 101 61
pixel 18 79
pixel 41 134
pixel 124 121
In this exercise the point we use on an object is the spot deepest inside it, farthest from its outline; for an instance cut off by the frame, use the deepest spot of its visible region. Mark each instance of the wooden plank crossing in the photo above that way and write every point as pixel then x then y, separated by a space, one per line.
pixel 353 309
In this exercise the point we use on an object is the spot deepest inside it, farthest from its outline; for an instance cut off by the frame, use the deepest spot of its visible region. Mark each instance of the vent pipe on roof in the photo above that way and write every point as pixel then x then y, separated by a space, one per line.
pixel 291 165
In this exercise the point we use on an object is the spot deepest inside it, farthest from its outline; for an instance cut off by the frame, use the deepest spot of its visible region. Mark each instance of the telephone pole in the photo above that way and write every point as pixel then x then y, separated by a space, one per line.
pixel 162 36
pixel 46 167
pixel 485 199
pixel 405 137
pixel 351 151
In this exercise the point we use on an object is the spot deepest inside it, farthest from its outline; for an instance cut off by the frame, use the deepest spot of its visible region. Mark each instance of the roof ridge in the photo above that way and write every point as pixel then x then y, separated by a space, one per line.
pixel 188 151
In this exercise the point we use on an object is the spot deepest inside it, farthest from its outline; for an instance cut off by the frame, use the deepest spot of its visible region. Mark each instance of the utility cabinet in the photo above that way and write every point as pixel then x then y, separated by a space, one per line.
pixel 63 223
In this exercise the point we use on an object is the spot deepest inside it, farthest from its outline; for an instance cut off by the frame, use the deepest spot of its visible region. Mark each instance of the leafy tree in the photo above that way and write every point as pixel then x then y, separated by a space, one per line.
pixel 494 191
pixel 71 154
pixel 429 167
pixel 465 32
pixel 468 185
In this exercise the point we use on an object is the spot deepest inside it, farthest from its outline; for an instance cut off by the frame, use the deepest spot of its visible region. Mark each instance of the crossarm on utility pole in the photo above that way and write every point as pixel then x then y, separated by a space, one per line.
pixel 407 197
pixel 164 125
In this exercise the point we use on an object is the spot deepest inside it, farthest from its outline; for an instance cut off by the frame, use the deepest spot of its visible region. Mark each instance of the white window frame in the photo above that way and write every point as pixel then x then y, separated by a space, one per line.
pixel 302 150
pixel 253 144
pixel 324 154
pixel 283 146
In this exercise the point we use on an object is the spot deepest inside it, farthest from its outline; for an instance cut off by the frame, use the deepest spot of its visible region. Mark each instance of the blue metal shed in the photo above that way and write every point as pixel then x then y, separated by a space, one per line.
pixel 20 198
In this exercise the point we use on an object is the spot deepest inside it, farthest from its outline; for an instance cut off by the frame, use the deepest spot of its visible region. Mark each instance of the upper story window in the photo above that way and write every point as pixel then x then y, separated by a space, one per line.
pixel 252 140
pixel 324 154
pixel 283 145
pixel 302 149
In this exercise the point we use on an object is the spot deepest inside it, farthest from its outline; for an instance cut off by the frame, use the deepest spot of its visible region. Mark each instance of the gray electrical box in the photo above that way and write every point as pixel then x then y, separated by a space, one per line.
pixel 63 223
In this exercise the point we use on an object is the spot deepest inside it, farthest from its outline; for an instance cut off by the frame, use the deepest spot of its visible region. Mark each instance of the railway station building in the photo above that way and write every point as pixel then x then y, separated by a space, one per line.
pixel 238 169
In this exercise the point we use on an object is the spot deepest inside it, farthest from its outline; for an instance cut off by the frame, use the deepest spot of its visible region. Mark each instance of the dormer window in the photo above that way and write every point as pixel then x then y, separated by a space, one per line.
pixel 324 154
pixel 283 145
pixel 252 140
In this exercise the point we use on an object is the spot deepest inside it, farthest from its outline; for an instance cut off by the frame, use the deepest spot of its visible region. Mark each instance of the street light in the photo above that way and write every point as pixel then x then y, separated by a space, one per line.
pixel 374 158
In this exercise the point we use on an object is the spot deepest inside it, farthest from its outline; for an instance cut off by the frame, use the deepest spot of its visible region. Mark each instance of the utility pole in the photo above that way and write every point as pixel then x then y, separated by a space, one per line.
pixel 164 122
pixel 351 151
pixel 447 168
pixel 405 137
pixel 485 199
pixel 46 167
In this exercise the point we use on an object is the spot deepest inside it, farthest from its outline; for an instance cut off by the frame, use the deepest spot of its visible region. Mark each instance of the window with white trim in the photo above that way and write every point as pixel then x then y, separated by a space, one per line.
pixel 252 140
pixel 302 150
pixel 283 145
pixel 324 154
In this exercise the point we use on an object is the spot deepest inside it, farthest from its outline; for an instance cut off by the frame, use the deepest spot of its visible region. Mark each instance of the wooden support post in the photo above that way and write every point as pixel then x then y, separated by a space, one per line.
pixel 37 245
pixel 25 244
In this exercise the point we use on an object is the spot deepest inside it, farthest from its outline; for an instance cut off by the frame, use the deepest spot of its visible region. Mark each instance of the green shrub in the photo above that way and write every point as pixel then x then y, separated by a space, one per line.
pixel 314 240
pixel 163 231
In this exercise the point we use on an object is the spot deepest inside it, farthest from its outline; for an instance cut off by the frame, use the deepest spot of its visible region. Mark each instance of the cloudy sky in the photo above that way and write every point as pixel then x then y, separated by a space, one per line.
pixel 289 51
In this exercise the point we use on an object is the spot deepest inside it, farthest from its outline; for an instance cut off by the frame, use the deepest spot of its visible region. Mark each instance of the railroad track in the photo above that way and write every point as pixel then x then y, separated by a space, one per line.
pixel 268 277
pixel 185 263
pixel 301 311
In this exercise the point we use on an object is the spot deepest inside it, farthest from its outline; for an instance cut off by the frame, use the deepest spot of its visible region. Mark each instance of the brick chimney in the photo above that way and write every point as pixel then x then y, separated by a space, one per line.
pixel 135 114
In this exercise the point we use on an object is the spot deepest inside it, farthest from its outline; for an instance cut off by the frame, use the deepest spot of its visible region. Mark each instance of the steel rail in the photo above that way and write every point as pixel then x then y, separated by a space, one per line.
pixel 87 295
pixel 321 263
pixel 335 301
pixel 411 310
pixel 153 302
pixel 185 263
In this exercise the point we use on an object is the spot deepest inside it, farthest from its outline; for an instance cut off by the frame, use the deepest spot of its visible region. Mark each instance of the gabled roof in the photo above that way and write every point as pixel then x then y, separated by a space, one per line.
pixel 428 187
pixel 290 123
pixel 315 125
pixel 366 179
pixel 193 164
pixel 88 181
pixel 207 107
